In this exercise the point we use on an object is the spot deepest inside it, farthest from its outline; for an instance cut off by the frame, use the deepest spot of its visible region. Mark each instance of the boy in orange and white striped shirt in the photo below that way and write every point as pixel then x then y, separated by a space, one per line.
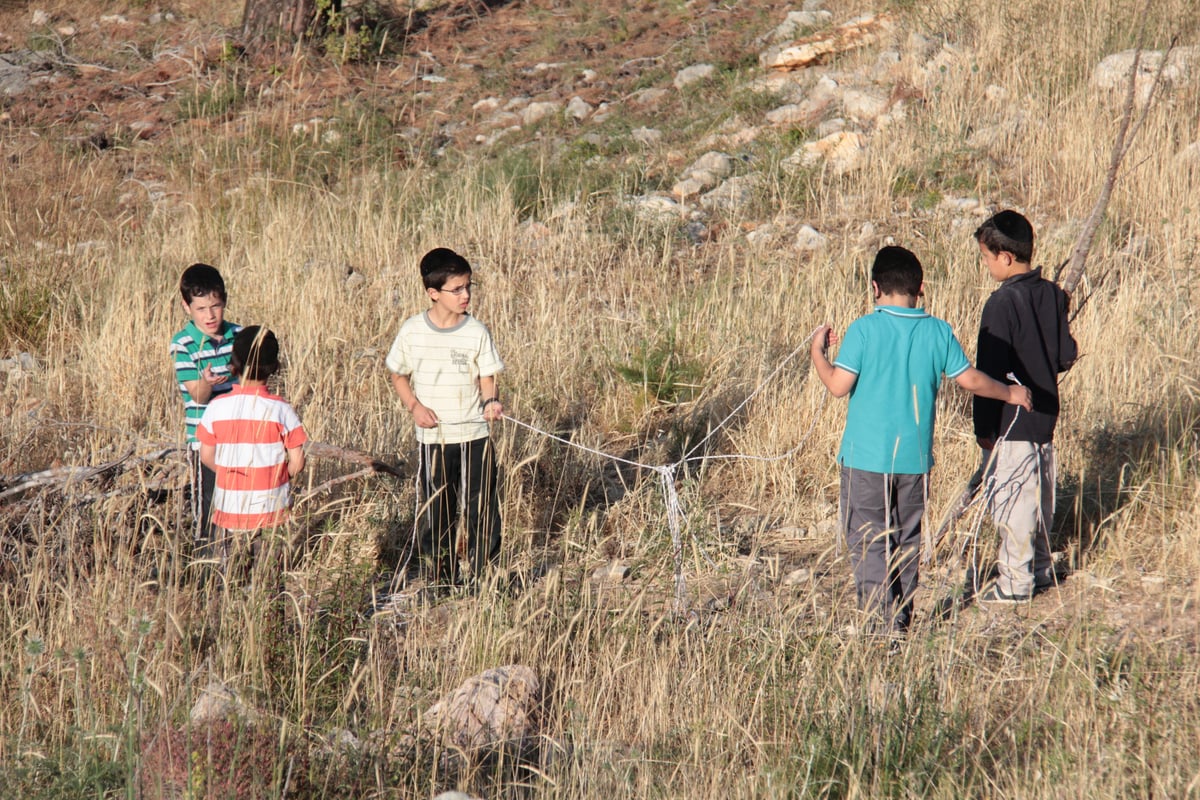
pixel 253 441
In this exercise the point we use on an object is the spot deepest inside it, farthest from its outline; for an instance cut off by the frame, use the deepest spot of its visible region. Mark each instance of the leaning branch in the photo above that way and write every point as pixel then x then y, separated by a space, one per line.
pixel 1072 272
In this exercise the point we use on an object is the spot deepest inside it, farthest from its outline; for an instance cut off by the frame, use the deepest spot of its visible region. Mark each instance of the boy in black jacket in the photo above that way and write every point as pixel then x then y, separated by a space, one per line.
pixel 1023 334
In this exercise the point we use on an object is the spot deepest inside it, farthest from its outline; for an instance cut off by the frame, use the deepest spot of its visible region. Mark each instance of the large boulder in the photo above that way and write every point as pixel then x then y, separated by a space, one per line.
pixel 497 709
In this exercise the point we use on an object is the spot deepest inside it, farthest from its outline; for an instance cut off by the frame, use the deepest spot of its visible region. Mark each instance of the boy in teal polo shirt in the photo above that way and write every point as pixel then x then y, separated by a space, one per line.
pixel 202 352
pixel 891 364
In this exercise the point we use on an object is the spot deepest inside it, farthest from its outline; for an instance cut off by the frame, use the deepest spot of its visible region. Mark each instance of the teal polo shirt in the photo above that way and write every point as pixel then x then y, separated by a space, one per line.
pixel 194 350
pixel 899 355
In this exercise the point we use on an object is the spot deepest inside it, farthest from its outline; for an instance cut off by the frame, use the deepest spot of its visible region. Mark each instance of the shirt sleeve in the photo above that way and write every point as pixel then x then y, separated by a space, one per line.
pixel 294 434
pixel 956 362
pixel 850 354
pixel 488 358
pixel 993 358
pixel 185 367
pixel 204 432
pixel 1068 350
pixel 399 360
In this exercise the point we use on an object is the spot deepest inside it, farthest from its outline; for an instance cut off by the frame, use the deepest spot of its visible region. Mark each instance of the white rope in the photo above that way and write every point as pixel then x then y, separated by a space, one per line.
pixel 666 472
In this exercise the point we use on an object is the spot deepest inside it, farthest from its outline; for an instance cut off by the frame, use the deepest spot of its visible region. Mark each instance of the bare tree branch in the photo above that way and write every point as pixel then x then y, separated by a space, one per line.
pixel 1074 267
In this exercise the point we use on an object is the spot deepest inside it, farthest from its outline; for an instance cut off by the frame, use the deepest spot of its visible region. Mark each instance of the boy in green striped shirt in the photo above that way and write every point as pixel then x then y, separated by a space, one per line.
pixel 202 352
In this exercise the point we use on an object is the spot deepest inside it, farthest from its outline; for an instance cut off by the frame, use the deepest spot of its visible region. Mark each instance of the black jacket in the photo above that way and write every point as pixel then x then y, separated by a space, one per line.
pixel 1024 331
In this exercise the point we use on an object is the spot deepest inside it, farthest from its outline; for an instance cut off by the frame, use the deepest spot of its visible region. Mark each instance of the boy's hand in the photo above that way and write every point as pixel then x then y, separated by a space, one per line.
pixel 424 417
pixel 493 410
pixel 211 378
pixel 1020 396
pixel 823 339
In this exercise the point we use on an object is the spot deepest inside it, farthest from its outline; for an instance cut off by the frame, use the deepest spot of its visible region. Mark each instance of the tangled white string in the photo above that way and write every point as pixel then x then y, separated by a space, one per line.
pixel 666 472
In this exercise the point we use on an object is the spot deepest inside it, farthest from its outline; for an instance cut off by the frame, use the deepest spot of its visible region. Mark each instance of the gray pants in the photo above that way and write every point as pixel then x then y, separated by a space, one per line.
pixel 1020 496
pixel 881 516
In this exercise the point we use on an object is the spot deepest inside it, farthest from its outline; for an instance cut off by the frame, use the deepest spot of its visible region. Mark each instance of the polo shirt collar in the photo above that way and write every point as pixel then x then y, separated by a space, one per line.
pixel 901 311
pixel 201 336
pixel 240 388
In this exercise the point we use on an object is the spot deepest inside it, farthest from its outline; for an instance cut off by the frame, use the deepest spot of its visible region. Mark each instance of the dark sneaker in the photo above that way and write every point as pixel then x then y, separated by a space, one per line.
pixel 996 596
pixel 1048 580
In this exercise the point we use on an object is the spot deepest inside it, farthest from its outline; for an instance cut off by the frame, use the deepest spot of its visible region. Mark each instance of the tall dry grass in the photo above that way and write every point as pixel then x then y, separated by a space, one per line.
pixel 764 690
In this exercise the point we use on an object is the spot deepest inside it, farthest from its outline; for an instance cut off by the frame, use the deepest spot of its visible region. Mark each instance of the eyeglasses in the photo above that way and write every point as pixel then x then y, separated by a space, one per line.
pixel 466 288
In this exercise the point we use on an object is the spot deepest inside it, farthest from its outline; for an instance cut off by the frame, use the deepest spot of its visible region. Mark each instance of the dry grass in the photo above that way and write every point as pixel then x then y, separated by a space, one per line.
pixel 1091 692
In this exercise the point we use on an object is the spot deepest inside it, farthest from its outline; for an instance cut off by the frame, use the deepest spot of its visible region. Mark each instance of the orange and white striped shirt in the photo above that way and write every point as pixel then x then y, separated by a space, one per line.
pixel 252 430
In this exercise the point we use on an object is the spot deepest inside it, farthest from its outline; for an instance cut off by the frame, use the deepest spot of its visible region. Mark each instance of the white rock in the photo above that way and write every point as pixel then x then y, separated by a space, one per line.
pixel 503 119
pixel 647 137
pixel 218 702
pixel 493 709
pixel 798 577
pixel 578 108
pixel 809 239
pixel 843 151
pixel 835 125
pixel 715 162
pixel 791 114
pixel 863 106
pixel 587 76
pixel 517 103
pixel 536 112
pixel 1112 73
pixel 648 97
pixel 1190 155
pixel 798 23
pixel 611 573
pixel 733 195
pixel 696 73
pixel 689 187
pixel 762 235
pixel 40 18
pixel 656 208
pixel 486 105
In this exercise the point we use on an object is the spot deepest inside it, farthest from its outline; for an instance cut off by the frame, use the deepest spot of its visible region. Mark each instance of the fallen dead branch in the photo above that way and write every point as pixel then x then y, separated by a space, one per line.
pixel 63 479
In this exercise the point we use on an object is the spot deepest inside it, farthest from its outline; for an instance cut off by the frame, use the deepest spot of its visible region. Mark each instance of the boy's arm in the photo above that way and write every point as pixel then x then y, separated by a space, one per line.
pixel 295 461
pixel 422 416
pixel 493 409
pixel 201 389
pixel 838 381
pixel 980 385
pixel 208 456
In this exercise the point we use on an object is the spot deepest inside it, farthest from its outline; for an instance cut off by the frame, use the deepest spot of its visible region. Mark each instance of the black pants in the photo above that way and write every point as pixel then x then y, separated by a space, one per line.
pixel 203 484
pixel 454 478
pixel 881 515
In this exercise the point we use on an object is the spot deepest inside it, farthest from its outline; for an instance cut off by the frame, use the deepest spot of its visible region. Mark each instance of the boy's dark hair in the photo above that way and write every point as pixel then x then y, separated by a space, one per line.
pixel 897 270
pixel 1007 232
pixel 440 264
pixel 201 280
pixel 255 354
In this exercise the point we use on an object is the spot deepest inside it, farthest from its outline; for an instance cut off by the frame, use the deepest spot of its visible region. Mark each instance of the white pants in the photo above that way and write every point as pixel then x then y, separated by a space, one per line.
pixel 1020 493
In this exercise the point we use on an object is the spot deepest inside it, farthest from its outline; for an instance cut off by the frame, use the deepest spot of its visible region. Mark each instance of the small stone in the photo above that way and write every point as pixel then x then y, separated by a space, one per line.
pixel 696 73
pixel 797 577
pixel 536 112
pixel 648 97
pixel 809 239
pixel 647 137
pixel 611 573
pixel 831 126
pixel 579 108
pixel 790 114
pixel 40 18
pixel 486 105
pixel 733 195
